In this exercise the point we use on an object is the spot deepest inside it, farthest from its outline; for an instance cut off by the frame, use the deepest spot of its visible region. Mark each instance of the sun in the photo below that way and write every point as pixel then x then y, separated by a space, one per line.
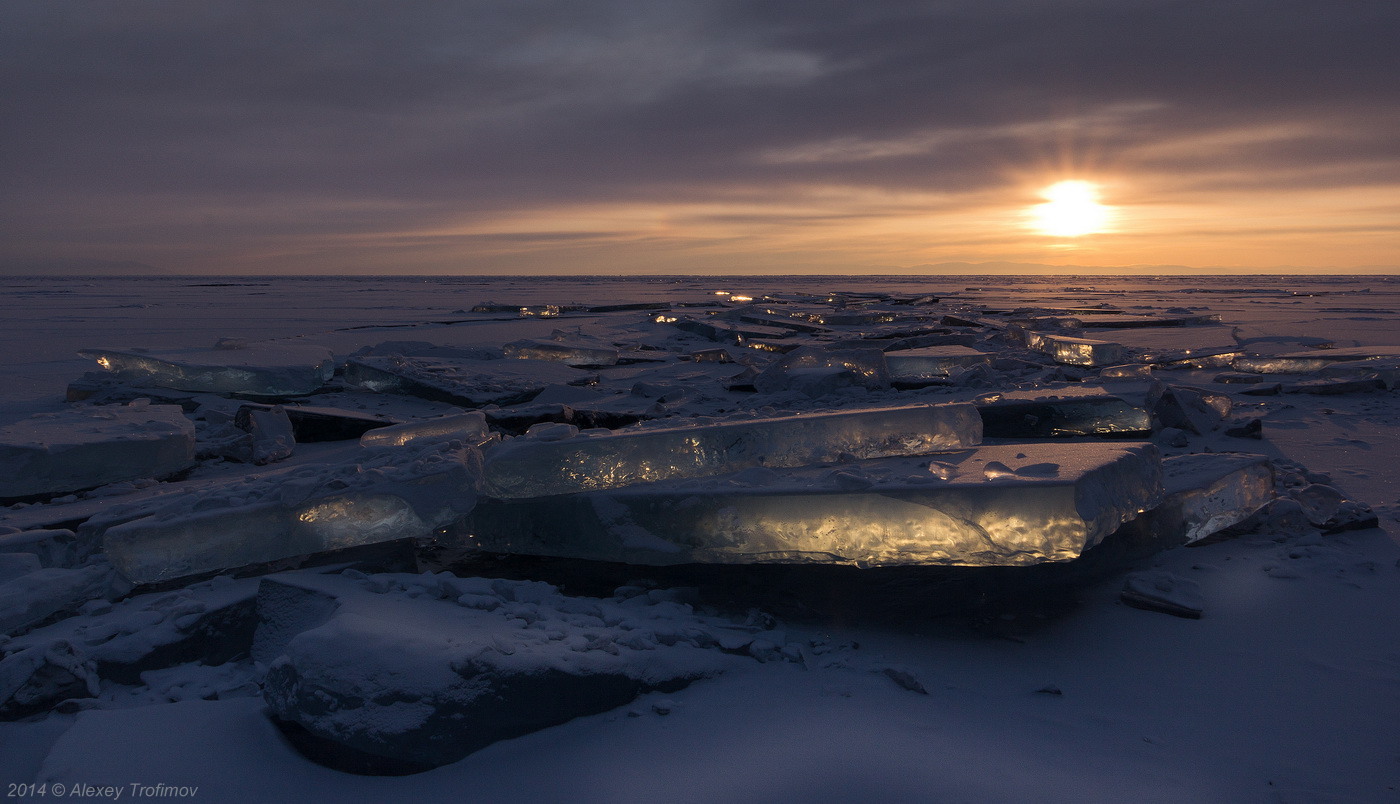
pixel 1071 209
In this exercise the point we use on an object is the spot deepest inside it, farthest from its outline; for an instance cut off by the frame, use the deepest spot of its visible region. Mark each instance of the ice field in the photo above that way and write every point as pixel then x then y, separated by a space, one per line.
pixel 695 480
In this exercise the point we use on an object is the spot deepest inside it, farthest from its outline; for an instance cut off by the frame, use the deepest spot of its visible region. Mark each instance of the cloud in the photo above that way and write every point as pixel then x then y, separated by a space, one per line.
pixel 154 127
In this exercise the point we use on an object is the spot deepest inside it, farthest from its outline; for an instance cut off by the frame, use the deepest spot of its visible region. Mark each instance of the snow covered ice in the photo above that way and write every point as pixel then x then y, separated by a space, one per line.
pixel 79 448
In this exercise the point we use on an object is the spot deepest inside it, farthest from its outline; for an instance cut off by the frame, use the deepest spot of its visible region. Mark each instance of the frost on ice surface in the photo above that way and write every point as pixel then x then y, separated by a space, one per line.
pixel 1005 505
pixel 258 369
pixel 535 468
pixel 81 448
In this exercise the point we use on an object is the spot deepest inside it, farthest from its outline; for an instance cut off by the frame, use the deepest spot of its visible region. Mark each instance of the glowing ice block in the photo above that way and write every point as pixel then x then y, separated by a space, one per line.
pixel 80 448
pixel 533 468
pixel 388 494
pixel 931 361
pixel 992 506
pixel 230 367
pixel 1074 351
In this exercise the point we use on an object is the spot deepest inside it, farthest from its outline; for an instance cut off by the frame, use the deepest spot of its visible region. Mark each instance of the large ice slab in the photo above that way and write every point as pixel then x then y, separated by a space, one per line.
pixel 993 506
pixel 389 493
pixel 230 367
pixel 573 354
pixel 1314 360
pixel 528 467
pixel 931 361
pixel 461 381
pixel 80 448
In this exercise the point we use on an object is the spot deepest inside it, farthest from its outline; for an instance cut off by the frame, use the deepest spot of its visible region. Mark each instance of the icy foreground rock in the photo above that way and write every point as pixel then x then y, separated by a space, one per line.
pixel 230 367
pixel 408 672
pixel 1004 506
pixel 390 494
pixel 536 467
pixel 80 448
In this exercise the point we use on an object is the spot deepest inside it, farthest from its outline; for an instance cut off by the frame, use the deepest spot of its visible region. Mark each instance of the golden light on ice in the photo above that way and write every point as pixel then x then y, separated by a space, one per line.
pixel 1071 209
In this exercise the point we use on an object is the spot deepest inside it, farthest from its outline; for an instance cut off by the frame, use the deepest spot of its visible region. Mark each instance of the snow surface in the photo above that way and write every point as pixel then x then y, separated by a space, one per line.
pixel 1287 688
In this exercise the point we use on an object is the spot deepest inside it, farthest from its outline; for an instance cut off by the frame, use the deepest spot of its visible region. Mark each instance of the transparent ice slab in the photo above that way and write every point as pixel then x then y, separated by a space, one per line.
pixel 387 494
pixel 469 428
pixel 463 381
pixel 1074 351
pixel 931 361
pixel 534 468
pixel 573 354
pixel 1310 361
pixel 230 367
pixel 1207 493
pixel 992 506
pixel 81 448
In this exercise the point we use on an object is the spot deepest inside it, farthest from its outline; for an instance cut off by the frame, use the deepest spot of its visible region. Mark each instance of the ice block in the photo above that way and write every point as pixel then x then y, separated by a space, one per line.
pixel 1207 493
pixel 80 448
pixel 469 428
pixel 931 361
pixel 573 354
pixel 1074 351
pixel 461 381
pixel 388 494
pixel 231 367
pixel 992 506
pixel 1314 360
pixel 533 468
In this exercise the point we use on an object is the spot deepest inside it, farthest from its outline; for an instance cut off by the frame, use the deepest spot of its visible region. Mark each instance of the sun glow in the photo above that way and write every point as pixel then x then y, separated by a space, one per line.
pixel 1071 209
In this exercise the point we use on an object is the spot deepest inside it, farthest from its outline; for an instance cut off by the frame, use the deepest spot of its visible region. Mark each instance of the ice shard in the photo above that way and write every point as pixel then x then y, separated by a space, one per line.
pixel 390 494
pixel 573 354
pixel 80 448
pixel 1071 416
pixel 230 367
pixel 1207 493
pixel 991 506
pixel 931 361
pixel 462 381
pixel 533 468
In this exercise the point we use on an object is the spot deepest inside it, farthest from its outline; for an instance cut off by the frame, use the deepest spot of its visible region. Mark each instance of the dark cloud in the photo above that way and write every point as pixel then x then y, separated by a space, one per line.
pixel 170 122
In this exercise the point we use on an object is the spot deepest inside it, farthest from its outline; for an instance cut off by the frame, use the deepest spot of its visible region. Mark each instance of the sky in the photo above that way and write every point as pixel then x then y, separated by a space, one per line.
pixel 654 137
